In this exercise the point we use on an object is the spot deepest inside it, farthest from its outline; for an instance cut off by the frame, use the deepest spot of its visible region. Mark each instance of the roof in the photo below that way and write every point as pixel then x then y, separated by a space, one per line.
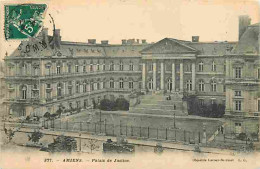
pixel 249 42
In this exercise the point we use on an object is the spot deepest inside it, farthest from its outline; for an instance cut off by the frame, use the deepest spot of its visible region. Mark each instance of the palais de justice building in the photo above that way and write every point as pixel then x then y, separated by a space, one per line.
pixel 44 73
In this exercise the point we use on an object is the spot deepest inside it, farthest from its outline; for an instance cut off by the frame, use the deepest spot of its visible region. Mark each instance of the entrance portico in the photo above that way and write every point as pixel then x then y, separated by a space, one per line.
pixel 165 69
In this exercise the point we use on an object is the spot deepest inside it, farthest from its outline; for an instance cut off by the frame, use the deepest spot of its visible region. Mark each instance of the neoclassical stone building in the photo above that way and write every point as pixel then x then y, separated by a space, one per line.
pixel 44 73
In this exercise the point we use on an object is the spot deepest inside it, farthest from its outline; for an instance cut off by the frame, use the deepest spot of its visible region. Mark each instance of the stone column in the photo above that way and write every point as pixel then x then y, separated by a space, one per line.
pixel 173 76
pixel 193 76
pixel 144 77
pixel 162 75
pixel 181 76
pixel 154 76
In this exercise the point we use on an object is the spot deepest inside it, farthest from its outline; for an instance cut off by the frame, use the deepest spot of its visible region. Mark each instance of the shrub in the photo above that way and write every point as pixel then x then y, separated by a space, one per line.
pixel 35 137
pixel 122 104
pixel 47 115
pixel 242 136
pixel 63 144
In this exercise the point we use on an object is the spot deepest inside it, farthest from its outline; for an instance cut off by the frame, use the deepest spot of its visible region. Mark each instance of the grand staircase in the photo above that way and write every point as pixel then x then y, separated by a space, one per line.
pixel 160 104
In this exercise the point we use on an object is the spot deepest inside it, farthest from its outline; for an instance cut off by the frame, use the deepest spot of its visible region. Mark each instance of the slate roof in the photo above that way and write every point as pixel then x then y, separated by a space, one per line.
pixel 249 43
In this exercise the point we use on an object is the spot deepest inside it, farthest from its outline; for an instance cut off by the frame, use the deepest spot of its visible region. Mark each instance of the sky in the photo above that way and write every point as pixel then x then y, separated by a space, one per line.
pixel 153 20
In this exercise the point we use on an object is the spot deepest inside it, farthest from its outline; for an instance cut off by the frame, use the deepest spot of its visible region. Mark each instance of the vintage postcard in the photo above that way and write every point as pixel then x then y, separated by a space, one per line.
pixel 130 84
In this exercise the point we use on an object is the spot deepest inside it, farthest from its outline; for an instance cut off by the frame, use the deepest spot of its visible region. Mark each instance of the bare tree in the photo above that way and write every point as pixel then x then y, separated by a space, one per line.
pixel 92 145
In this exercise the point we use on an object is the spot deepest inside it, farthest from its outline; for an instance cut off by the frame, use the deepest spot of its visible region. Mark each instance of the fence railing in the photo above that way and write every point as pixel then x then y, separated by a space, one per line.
pixel 128 131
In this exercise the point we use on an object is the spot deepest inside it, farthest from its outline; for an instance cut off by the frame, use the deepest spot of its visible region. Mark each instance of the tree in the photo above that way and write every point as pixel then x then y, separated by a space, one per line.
pixel 92 145
pixel 35 136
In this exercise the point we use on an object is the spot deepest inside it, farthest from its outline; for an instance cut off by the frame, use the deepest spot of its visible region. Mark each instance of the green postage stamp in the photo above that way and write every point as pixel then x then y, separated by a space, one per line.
pixel 23 20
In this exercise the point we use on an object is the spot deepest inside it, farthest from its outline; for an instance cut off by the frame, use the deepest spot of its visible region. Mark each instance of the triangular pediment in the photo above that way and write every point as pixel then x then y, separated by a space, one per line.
pixel 168 45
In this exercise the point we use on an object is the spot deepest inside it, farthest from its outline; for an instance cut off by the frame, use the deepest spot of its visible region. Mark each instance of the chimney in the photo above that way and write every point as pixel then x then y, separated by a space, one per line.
pixel 92 41
pixel 195 38
pixel 123 41
pixel 57 38
pixel 244 22
pixel 143 41
pixel 130 41
pixel 104 42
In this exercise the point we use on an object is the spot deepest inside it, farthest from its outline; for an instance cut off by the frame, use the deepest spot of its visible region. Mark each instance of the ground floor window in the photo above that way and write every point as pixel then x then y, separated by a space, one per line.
pixel 238 128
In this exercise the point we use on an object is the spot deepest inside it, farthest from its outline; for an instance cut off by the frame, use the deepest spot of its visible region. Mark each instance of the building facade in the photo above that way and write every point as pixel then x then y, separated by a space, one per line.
pixel 45 72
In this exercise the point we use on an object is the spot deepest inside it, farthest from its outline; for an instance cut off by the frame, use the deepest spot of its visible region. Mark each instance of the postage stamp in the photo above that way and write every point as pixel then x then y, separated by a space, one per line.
pixel 23 20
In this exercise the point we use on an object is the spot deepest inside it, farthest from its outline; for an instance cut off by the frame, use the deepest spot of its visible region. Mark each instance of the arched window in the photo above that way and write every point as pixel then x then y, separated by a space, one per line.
pixel 201 86
pixel 111 83
pixel 77 87
pixel 121 66
pixel 121 83
pixel 131 66
pixel 98 86
pixel 201 66
pixel 214 67
pixel 35 91
pixel 169 84
pixel 59 89
pixel 24 92
pixel 213 86
pixel 189 85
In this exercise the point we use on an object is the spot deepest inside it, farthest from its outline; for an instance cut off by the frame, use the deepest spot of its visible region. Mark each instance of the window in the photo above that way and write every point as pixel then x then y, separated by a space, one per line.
pixel 48 86
pixel 111 66
pixel 84 87
pixel 104 67
pixel 58 69
pixel 258 73
pixel 59 92
pixel 69 68
pixel 201 102
pixel 121 66
pixel 131 84
pixel 104 84
pixel 150 84
pixel 214 67
pixel 213 101
pixel 92 86
pixel 201 66
pixel 77 68
pixel 77 87
pixel 85 104
pixel 151 67
pixel 78 104
pixel 121 83
pixel 189 85
pixel 131 66
pixel 24 92
pixel 169 84
pixel 258 103
pixel 91 67
pixel 201 86
pixel 213 86
pixel 84 69
pixel 224 67
pixel 238 105
pixel 238 72
pixel 224 88
pixel 188 67
pixel 98 68
pixel 237 93
pixel 111 83
pixel 98 86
